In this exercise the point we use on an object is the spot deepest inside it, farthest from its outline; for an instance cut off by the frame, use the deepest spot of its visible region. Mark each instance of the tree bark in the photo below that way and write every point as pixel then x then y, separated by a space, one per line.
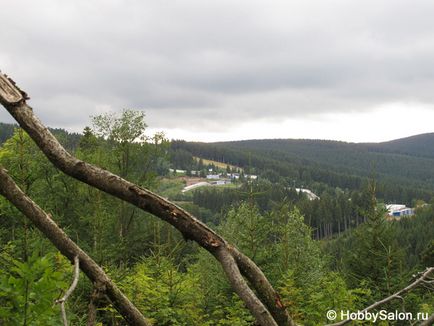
pixel 422 279
pixel 68 248
pixel 265 291
pixel 190 227
pixel 429 321
pixel 257 308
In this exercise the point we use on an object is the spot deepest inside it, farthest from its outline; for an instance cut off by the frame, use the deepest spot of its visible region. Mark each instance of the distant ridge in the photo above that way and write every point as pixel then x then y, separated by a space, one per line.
pixel 418 145
pixel 405 165
pixel 421 145
pixel 69 140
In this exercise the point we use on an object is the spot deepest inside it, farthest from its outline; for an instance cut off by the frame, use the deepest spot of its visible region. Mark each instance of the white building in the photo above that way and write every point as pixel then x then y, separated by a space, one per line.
pixel 221 182
pixel 213 176
pixel 177 171
pixel 308 193
pixel 399 210
pixel 234 175
pixel 251 176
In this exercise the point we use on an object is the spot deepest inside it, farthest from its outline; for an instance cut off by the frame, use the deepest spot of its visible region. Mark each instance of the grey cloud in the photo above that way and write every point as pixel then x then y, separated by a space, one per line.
pixel 196 63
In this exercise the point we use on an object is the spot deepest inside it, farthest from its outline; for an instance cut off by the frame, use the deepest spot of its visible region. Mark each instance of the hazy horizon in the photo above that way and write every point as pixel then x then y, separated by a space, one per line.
pixel 150 131
pixel 224 70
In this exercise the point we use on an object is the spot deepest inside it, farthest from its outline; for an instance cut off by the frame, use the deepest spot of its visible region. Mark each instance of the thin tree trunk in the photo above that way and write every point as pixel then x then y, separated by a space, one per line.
pixel 92 308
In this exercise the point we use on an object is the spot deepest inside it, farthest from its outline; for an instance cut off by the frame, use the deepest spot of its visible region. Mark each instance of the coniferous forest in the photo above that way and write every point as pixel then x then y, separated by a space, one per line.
pixel 216 163
pixel 339 251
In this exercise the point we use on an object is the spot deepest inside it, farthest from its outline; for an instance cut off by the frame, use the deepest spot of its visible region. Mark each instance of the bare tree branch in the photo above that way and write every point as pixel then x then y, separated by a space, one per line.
pixel 68 248
pixel 238 283
pixel 70 290
pixel 265 291
pixel 190 227
pixel 397 295
pixel 428 322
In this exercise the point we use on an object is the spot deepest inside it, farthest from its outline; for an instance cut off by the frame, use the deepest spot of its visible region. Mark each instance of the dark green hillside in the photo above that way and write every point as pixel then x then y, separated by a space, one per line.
pixel 403 177
pixel 69 140
pixel 349 158
pixel 419 145
pixel 6 131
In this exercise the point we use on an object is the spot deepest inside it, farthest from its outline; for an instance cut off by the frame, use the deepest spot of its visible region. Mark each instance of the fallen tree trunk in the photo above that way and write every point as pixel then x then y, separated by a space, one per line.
pixel 69 248
pixel 267 311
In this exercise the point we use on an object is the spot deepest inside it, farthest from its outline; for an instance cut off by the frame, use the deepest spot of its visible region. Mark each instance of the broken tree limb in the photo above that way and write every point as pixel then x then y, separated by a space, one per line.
pixel 68 248
pixel 71 289
pixel 262 315
pixel 9 92
pixel 190 227
pixel 265 291
pixel 429 321
pixel 397 295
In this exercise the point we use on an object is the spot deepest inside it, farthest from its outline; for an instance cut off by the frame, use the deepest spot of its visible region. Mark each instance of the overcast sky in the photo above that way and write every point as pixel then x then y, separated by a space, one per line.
pixel 221 70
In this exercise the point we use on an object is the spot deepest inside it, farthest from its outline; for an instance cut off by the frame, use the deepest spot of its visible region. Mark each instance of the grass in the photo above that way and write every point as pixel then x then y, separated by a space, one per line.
pixel 217 164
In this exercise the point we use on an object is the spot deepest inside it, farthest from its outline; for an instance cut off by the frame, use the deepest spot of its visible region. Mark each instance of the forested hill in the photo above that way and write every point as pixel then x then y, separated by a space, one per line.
pixel 6 131
pixel 409 157
pixel 404 167
pixel 420 145
pixel 69 140
pixel 403 164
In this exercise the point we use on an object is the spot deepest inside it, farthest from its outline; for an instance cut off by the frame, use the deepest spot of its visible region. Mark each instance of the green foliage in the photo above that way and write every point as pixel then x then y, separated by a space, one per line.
pixel 221 306
pixel 233 313
pixel 164 294
pixel 416 235
pixel 173 283
pixel 126 149
pixel 29 288
pixel 123 129
pixel 247 229
pixel 328 292
pixel 374 257
pixel 171 187
pixel 307 303
pixel 6 131
pixel 23 159
pixel 294 248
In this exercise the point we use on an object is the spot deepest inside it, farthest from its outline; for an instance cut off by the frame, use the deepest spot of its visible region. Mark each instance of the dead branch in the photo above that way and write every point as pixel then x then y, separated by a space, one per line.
pixel 68 248
pixel 190 227
pixel 397 295
pixel 71 289
pixel 429 321
pixel 265 291
pixel 238 283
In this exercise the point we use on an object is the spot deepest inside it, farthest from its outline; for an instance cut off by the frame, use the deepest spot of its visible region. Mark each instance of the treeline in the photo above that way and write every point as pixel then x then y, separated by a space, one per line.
pixel 298 168
pixel 418 145
pixel 410 246
pixel 67 139
pixel 334 213
pixel 6 131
